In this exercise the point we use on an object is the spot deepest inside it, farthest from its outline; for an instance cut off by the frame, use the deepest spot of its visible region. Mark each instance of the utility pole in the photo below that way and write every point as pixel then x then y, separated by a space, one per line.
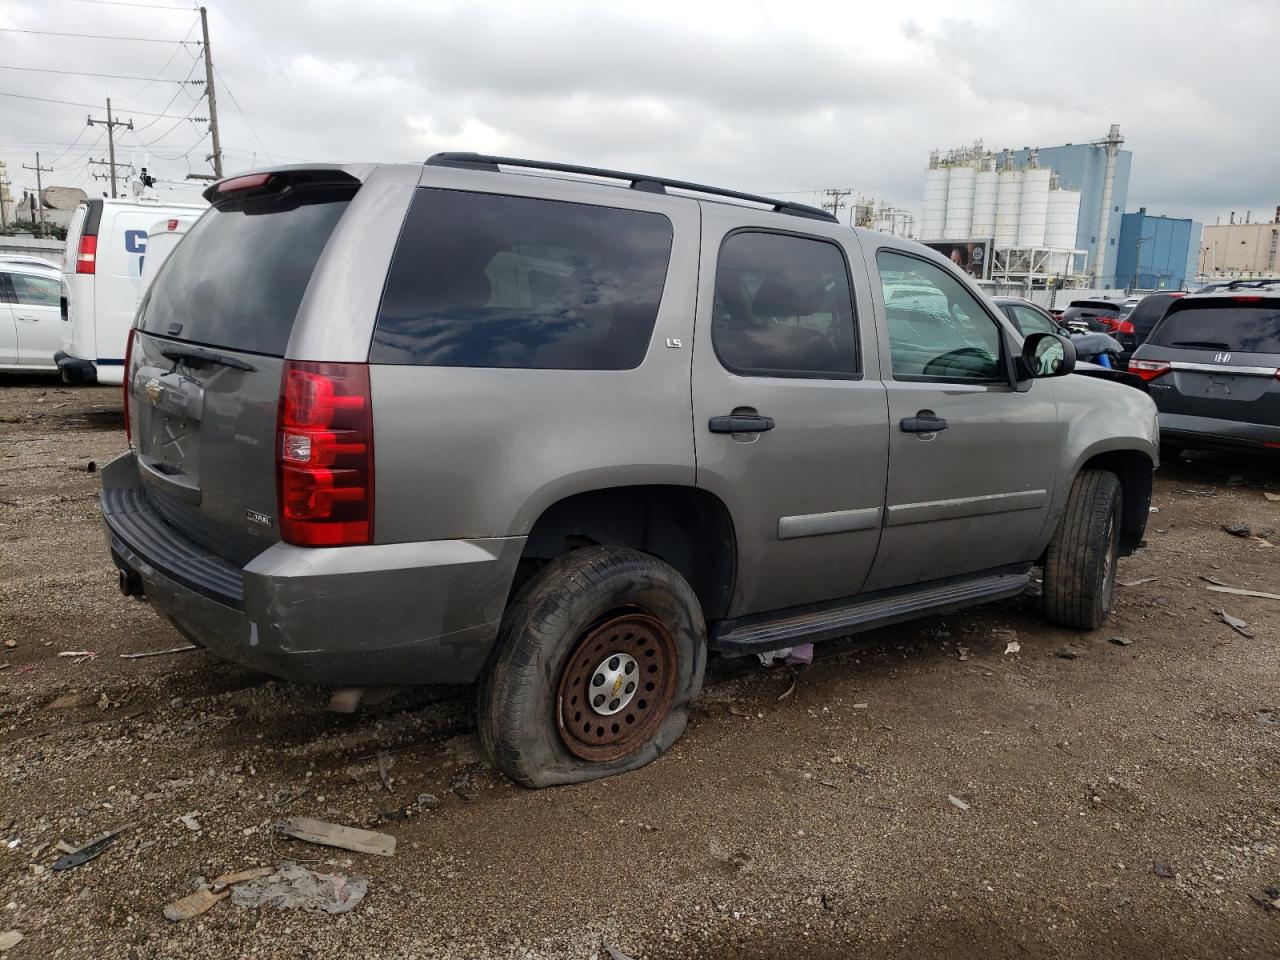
pixel 5 184
pixel 110 123
pixel 216 156
pixel 39 186
pixel 836 203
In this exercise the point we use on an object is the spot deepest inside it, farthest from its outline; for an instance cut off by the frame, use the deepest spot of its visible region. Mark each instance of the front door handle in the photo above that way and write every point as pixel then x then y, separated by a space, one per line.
pixel 28 319
pixel 923 422
pixel 738 423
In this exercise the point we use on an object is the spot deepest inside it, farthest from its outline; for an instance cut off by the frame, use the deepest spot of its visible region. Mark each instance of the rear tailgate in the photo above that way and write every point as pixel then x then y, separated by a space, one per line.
pixel 1223 353
pixel 207 358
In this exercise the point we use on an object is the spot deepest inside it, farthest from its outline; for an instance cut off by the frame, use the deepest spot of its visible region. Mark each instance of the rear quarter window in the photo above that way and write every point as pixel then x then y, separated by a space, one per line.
pixel 487 280
pixel 1252 328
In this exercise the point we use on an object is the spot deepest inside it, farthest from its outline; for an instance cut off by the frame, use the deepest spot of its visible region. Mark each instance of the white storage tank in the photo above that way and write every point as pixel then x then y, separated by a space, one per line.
pixel 960 184
pixel 984 204
pixel 1035 207
pixel 934 216
pixel 1008 208
pixel 1062 220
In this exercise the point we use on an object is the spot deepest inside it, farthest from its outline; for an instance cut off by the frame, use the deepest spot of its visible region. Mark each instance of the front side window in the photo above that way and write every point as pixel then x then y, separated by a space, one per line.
pixel 1033 321
pixel 36 291
pixel 937 327
pixel 486 280
pixel 783 307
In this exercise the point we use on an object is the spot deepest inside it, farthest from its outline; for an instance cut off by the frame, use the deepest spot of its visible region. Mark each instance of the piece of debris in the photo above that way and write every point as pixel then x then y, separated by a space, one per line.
pixel 614 953
pixel 963 653
pixel 159 653
pixel 428 801
pixel 1218 588
pixel 204 899
pixel 770 657
pixel 1270 899
pixel 9 939
pixel 79 656
pixel 1235 623
pixel 801 655
pixel 791 688
pixel 383 759
pixel 1273 497
pixel 190 822
pixel 292 887
pixel 11 644
pixel 1122 641
pixel 1137 583
pixel 1013 646
pixel 332 835
pixel 1237 529
pixel 1208 579
pixel 957 802
pixel 1067 652
pixel 462 789
pixel 738 710
pixel 82 855
pixel 1161 868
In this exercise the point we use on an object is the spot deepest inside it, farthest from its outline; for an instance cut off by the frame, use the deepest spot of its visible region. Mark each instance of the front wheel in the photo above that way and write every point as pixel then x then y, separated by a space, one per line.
pixel 1080 564
pixel 597 665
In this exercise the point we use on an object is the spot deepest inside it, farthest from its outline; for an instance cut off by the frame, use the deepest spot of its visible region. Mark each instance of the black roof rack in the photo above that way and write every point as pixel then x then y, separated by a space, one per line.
pixel 638 181
pixel 1258 282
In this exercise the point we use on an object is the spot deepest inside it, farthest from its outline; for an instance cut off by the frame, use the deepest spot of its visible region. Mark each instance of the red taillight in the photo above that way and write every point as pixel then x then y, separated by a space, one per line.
pixel 250 181
pixel 1123 326
pixel 1149 369
pixel 324 454
pixel 1241 299
pixel 87 254
pixel 173 225
pixel 128 358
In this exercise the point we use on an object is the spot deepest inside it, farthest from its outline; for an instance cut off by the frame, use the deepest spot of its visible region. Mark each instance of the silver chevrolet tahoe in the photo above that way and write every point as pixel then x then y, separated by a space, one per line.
pixel 562 431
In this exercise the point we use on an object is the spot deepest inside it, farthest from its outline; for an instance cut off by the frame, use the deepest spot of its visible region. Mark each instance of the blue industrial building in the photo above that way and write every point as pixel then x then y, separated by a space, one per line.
pixel 1082 166
pixel 1157 253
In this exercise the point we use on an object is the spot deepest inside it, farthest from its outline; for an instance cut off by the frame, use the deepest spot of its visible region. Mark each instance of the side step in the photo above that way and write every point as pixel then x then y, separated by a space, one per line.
pixel 761 633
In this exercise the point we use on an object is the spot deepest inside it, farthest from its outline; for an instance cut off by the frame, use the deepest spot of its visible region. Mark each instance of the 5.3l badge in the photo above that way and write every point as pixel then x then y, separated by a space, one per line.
pixel 253 516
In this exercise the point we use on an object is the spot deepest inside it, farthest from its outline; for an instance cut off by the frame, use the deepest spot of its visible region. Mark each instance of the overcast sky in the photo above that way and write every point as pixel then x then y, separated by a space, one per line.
pixel 768 97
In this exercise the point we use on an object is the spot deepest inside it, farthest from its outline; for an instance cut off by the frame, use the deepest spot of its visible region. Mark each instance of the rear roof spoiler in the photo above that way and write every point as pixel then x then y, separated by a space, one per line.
pixel 297 175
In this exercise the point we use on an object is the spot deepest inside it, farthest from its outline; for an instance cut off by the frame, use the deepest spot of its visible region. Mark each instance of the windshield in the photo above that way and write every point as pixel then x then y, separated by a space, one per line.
pixel 1245 329
pixel 238 276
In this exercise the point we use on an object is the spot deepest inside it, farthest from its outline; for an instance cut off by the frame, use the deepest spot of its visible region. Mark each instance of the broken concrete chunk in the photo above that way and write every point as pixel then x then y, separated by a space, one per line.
pixel 332 835
pixel 9 939
pixel 957 802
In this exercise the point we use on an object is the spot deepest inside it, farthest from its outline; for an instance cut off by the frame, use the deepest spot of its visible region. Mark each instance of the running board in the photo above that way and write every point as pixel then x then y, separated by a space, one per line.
pixel 761 633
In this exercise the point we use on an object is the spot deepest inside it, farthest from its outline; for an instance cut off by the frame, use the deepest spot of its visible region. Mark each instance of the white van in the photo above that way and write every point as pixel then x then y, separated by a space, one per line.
pixel 161 239
pixel 106 247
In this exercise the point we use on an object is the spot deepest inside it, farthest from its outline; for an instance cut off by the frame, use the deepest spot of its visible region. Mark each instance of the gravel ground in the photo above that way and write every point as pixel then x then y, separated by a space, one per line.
pixel 1121 803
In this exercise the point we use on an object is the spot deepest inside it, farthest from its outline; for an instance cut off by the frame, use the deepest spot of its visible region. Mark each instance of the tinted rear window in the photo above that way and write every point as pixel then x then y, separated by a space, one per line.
pixel 1245 329
pixel 484 280
pixel 237 278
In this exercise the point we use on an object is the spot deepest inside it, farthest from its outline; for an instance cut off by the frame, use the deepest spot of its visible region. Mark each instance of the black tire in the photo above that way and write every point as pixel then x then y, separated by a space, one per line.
pixel 604 594
pixel 1080 564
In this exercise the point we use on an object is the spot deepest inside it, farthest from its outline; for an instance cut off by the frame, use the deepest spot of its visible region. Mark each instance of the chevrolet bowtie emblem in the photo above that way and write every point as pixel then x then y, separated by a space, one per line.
pixel 617 685
pixel 154 390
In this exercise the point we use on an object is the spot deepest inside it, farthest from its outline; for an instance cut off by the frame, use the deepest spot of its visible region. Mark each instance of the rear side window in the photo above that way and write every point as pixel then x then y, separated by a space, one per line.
pixel 1222 326
pixel 237 278
pixel 485 280
pixel 783 308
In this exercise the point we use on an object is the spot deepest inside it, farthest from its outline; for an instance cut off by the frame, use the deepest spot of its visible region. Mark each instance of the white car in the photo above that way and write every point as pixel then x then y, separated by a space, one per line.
pixel 31 324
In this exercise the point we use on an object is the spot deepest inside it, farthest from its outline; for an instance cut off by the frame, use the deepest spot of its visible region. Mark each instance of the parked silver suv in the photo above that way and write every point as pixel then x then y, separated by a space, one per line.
pixel 457 422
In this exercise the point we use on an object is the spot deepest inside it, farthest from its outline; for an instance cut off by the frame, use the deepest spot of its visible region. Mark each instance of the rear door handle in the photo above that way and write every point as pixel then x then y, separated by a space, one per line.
pixel 28 319
pixel 923 422
pixel 740 424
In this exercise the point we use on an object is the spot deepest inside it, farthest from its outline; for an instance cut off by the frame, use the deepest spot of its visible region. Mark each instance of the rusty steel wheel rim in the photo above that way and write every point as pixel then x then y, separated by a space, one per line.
pixel 600 719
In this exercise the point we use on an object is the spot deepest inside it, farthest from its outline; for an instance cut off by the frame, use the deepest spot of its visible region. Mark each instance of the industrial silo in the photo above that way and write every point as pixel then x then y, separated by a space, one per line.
pixel 1035 207
pixel 959 224
pixel 934 216
pixel 984 204
pixel 1062 219
pixel 1008 208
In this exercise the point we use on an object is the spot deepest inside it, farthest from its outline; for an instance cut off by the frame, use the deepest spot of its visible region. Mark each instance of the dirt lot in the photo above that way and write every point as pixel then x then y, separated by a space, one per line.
pixel 814 824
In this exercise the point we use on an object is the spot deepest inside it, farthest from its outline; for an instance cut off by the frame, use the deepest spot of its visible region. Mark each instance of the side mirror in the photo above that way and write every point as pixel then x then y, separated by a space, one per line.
pixel 1045 355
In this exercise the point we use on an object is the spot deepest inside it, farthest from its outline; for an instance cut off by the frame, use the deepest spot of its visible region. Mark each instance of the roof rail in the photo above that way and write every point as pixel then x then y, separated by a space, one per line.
pixel 1256 282
pixel 637 181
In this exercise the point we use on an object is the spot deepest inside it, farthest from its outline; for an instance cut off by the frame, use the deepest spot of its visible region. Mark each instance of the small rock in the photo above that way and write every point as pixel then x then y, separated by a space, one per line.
pixel 9 939
pixel 957 802
pixel 1122 641
pixel 190 822
pixel 11 644
pixel 1161 868
pixel 1067 652
pixel 428 801
pixel 1237 529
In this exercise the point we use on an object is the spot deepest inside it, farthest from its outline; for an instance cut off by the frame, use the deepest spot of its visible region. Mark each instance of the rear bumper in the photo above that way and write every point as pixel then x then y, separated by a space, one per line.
pixel 74 370
pixel 388 614
pixel 1221 434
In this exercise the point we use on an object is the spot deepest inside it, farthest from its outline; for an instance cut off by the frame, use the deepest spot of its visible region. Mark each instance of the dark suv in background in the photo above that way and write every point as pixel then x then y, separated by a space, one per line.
pixel 1102 316
pixel 1212 365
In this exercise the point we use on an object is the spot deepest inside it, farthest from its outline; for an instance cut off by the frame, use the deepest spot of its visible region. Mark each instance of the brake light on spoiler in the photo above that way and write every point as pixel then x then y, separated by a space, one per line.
pixel 1148 370
pixel 250 181
pixel 324 454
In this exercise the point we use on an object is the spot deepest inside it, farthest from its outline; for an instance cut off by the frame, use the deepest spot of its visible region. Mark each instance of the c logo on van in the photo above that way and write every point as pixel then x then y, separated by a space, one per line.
pixel 135 241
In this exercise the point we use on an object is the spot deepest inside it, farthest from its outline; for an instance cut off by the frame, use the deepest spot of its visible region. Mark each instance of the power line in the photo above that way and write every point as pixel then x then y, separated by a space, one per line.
pixel 171 129
pixel 105 76
pixel 244 116
pixel 77 103
pixel 94 36
pixel 126 3
pixel 165 109
pixel 172 56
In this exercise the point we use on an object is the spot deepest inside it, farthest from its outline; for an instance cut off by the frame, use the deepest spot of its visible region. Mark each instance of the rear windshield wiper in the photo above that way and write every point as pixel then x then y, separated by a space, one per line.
pixel 198 355
pixel 1215 344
